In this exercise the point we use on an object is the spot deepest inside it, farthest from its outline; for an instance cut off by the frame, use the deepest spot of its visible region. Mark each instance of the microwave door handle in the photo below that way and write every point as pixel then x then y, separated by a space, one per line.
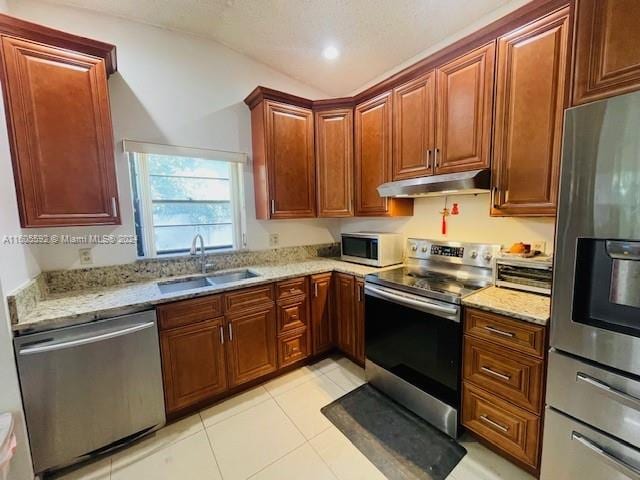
pixel 611 460
pixel 402 300
pixel 51 346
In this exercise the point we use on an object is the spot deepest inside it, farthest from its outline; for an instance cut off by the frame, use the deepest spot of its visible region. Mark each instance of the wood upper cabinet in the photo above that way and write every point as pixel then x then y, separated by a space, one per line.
pixel 321 312
pixel 60 132
pixel 464 111
pixel 607 49
pixel 414 128
pixel 251 346
pixel 334 162
pixel 283 160
pixel 373 153
pixel 530 98
pixel 193 364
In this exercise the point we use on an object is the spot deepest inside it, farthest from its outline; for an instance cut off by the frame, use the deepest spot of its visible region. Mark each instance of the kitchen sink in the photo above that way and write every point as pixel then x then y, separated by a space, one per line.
pixel 231 277
pixel 182 285
pixel 201 282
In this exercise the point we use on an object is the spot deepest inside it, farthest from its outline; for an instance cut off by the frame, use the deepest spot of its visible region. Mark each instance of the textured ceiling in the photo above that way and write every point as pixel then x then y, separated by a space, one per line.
pixel 289 35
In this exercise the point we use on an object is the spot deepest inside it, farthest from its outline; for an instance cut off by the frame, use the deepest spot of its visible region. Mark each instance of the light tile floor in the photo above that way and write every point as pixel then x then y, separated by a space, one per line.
pixel 272 432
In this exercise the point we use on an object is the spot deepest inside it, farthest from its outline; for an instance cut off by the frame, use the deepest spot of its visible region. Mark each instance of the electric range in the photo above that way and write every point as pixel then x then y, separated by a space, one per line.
pixel 413 332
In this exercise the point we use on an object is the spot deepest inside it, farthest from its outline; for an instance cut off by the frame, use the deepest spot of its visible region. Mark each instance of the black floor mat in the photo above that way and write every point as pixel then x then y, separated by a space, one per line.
pixel 402 445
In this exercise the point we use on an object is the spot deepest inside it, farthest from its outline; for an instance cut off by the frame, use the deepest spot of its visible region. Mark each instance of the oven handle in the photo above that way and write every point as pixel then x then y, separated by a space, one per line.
pixel 420 304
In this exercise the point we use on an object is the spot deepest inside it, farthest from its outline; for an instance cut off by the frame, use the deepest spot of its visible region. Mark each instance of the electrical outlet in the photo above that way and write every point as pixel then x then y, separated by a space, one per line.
pixel 538 246
pixel 274 239
pixel 86 256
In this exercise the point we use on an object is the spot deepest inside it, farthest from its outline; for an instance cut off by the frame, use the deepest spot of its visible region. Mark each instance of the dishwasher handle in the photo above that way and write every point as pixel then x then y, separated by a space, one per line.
pixel 60 345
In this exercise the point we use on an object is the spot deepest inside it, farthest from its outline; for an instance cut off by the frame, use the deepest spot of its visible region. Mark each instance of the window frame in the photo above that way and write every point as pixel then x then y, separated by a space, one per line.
pixel 141 195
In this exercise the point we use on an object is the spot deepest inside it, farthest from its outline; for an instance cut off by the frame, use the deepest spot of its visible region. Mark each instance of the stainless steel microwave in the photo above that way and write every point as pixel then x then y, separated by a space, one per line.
pixel 375 249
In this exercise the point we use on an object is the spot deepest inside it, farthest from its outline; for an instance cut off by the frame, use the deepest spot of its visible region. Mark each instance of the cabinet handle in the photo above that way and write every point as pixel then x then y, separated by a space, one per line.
pixel 221 335
pixel 436 157
pixel 273 206
pixel 428 153
pixel 486 419
pixel 496 197
pixel 499 332
pixel 496 374
pixel 359 294
pixel 230 333
pixel 315 289
pixel 114 206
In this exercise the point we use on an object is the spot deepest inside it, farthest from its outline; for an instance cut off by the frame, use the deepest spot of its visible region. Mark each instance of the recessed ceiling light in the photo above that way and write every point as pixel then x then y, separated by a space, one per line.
pixel 330 53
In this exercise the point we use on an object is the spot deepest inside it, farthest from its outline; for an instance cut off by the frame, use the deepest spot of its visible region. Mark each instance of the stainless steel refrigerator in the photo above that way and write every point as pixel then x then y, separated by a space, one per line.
pixel 592 418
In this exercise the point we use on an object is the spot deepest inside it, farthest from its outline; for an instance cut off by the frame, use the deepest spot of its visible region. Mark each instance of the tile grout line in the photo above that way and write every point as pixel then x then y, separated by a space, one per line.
pixel 215 459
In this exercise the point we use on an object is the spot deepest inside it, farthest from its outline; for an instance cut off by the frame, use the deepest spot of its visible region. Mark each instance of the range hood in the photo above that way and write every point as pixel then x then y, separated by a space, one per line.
pixel 472 182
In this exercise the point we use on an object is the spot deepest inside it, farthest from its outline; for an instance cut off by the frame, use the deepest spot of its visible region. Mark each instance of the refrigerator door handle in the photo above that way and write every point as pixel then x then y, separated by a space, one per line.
pixel 622 397
pixel 611 460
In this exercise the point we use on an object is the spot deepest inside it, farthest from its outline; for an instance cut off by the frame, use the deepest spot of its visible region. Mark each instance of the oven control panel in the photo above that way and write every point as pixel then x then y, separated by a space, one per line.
pixel 476 254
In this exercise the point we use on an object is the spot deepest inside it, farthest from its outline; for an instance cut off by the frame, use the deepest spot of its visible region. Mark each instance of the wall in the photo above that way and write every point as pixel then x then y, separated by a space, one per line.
pixel 473 224
pixel 176 89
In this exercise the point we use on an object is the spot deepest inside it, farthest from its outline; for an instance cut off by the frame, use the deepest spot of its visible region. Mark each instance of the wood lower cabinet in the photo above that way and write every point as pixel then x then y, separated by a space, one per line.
pixel 334 162
pixel 530 99
pixel 193 364
pixel 373 153
pixel 251 346
pixel 607 49
pixel 414 127
pixel 465 111
pixel 349 308
pixel 283 157
pixel 294 331
pixel 504 362
pixel 322 312
pixel 60 131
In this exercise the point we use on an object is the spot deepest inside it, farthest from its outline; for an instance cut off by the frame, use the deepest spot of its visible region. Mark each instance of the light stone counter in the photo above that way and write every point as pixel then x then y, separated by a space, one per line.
pixel 512 303
pixel 64 309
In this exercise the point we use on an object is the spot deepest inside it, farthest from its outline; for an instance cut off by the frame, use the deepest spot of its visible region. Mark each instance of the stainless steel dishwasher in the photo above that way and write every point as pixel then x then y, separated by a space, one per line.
pixel 90 388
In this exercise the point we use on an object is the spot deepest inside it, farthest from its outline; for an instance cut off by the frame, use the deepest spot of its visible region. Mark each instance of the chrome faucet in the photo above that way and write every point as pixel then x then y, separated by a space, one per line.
pixel 203 255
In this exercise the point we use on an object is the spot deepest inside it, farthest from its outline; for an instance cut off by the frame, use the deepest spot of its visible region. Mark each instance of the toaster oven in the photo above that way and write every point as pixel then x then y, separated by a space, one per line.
pixel 527 274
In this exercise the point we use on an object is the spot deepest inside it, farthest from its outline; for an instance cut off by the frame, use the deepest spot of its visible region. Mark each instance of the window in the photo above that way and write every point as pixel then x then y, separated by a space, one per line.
pixel 176 197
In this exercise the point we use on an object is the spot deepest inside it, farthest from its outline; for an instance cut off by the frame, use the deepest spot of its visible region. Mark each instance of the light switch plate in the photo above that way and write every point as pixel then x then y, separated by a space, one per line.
pixel 538 245
pixel 86 256
pixel 274 239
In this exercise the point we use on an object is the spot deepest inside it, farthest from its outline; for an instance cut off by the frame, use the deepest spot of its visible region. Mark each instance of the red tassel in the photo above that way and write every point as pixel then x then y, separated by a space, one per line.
pixel 444 225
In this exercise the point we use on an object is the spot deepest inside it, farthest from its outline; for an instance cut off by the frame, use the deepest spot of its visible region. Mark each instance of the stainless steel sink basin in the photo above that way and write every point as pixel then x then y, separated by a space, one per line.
pixel 182 285
pixel 231 277
pixel 201 282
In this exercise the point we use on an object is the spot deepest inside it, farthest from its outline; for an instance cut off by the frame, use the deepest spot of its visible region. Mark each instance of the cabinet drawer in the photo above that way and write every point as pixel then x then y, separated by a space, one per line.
pixel 508 428
pixel 292 315
pixel 248 298
pixel 514 377
pixel 293 347
pixel 187 312
pixel 291 288
pixel 516 334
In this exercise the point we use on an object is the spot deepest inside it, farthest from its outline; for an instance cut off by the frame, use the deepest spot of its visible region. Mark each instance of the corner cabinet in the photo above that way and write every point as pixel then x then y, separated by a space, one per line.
pixel 464 111
pixel 334 162
pixel 373 154
pixel 59 123
pixel 607 49
pixel 530 99
pixel 283 160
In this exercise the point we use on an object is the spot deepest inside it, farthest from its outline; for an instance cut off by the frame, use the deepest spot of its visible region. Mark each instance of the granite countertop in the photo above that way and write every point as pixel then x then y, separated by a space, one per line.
pixel 65 309
pixel 522 305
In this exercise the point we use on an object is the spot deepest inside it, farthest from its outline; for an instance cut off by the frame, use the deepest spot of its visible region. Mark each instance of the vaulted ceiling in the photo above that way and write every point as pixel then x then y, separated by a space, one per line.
pixel 372 36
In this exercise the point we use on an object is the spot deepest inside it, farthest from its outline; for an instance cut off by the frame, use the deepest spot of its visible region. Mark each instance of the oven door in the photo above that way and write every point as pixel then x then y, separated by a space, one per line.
pixel 418 341
pixel 596 299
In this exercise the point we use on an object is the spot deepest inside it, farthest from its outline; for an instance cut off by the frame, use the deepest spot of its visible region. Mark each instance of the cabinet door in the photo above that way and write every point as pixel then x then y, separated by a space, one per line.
pixel 291 168
pixel 359 322
pixel 345 313
pixel 414 128
pixel 373 152
pixel 607 49
pixel 321 315
pixel 334 162
pixel 529 112
pixel 61 135
pixel 193 364
pixel 464 111
pixel 251 349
